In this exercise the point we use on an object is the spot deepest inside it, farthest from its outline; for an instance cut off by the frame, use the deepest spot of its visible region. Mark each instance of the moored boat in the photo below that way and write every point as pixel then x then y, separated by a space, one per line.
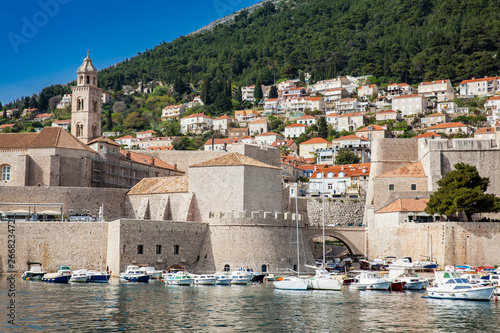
pixel 449 285
pixel 34 271
pixel 241 277
pixel 81 275
pixel 179 278
pixel 222 279
pixel 324 280
pixel 62 276
pixel 291 283
pixel 99 277
pixel 371 281
pixel 134 274
pixel 151 271
pixel 204 279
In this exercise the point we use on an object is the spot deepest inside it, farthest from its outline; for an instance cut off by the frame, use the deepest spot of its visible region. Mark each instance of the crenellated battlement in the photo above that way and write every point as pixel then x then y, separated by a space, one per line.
pixel 254 218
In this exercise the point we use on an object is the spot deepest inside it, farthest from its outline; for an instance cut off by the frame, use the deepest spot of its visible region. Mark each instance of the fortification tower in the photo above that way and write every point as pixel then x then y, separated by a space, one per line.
pixel 86 103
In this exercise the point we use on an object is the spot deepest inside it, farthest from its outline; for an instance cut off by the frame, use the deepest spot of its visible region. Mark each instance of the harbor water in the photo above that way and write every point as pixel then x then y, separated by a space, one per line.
pixel 153 306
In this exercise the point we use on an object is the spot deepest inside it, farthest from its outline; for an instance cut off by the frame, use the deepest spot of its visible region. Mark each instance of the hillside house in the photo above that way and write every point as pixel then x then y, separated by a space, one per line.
pixel 409 104
pixel 196 123
pixel 258 126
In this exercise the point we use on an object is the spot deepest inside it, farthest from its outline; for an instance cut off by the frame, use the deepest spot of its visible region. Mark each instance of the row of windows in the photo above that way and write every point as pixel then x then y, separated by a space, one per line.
pixel 140 249
pixel 413 187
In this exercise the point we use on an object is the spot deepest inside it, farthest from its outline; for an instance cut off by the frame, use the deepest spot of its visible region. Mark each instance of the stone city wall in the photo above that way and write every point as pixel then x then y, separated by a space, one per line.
pixel 451 243
pixel 341 212
pixel 76 198
pixel 78 244
pixel 126 235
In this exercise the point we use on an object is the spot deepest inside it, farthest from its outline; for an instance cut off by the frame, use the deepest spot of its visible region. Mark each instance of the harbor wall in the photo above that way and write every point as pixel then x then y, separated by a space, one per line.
pixel 127 234
pixel 77 244
pixel 451 243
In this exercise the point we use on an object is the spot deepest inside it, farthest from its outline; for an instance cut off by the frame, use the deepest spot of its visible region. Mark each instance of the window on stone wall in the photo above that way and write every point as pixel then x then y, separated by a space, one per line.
pixel 391 187
pixel 140 249
pixel 176 249
pixel 227 268
pixel 264 268
pixel 413 187
pixel 6 173
pixel 158 249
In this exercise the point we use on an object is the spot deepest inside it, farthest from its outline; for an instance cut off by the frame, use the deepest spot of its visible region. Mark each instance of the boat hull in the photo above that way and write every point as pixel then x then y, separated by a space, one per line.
pixel 208 281
pixel 223 281
pixel 56 278
pixel 325 283
pixel 378 286
pixel 397 286
pixel 99 278
pixel 473 294
pixel 80 279
pixel 183 282
pixel 136 278
pixel 291 284
pixel 419 285
pixel 32 276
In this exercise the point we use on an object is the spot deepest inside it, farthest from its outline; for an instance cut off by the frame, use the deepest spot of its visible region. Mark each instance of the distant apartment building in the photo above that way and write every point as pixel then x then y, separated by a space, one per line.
pixel 346 105
pixel 106 98
pixel 245 115
pixel 247 93
pixel 387 115
pixel 62 123
pixel 372 132
pixel 237 132
pixel 409 104
pixel 447 107
pixel 196 123
pixel 219 144
pixel 492 103
pixel 350 122
pixel 324 85
pixel 480 87
pixel 174 112
pixel 258 126
pixel 127 142
pixel 295 130
pixel 64 102
pixel 367 92
pixel 156 142
pixel 434 119
pixel 271 105
pixel 145 134
pixel 308 148
pixel 449 128
pixel 307 120
pixel 399 89
pixel 441 89
pixel 293 92
pixel 332 118
pixel 267 138
pixel 333 95
pixel 223 123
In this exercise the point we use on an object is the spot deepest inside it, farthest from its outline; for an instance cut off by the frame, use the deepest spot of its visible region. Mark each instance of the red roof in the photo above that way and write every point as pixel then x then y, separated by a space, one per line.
pixel 314 98
pixel 307 117
pixel 268 134
pixel 388 111
pixel 478 80
pixel 350 170
pixel 407 96
pixel 148 131
pixel 225 117
pixel 315 141
pixel 258 121
pixel 350 138
pixel 434 82
pixel 427 135
pixel 279 143
pixel 222 141
pixel 485 130
pixel 448 125
pixel 347 99
pixel 145 159
pixel 196 115
pixel 6 125
pixel 494 98
pixel 374 128
pixel 399 84
pixel 295 125
pixel 65 121
pixel 356 114
pixel 332 115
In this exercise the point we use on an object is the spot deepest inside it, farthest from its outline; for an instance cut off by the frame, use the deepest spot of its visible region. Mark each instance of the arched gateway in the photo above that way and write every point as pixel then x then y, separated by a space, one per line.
pixel 354 238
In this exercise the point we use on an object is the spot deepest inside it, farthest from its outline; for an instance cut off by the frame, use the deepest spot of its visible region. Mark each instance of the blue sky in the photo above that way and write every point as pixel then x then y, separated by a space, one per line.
pixel 43 42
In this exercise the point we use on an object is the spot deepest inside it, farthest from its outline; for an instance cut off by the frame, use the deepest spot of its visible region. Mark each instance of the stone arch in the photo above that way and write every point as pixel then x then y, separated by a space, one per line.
pixel 355 247
pixel 94 106
pixel 87 79
pixel 81 103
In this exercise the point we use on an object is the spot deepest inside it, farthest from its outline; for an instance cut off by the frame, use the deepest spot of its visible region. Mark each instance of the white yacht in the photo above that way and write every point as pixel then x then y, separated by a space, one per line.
pixel 205 279
pixel 371 281
pixel 180 278
pixel 449 285
pixel 34 271
pixel 222 279
pixel 291 283
pixel 409 277
pixel 240 277
pixel 81 275
pixel 134 274
pixel 324 280
pixel 151 271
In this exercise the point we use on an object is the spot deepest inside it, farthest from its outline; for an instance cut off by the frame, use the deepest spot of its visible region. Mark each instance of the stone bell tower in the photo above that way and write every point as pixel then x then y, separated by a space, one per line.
pixel 86 103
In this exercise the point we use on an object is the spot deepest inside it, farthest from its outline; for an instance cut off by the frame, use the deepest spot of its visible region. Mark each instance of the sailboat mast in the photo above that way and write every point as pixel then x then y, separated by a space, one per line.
pixel 101 214
pixel 297 227
pixel 323 209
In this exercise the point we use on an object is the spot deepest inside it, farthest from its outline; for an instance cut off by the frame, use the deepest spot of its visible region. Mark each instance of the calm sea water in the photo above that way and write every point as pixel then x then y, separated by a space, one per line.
pixel 133 307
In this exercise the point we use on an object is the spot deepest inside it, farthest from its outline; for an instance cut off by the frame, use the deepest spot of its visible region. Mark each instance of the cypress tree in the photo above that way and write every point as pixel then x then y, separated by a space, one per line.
pixel 257 93
pixel 273 92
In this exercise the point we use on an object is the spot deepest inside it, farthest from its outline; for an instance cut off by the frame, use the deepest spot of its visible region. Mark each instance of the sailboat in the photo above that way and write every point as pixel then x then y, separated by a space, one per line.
pixel 324 280
pixel 293 282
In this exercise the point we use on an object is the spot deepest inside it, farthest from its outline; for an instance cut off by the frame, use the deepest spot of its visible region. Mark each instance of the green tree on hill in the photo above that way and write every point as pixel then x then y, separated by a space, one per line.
pixel 462 190
pixel 345 156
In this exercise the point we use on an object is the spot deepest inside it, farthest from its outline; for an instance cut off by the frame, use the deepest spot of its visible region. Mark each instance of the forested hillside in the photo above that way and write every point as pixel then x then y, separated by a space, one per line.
pixel 408 40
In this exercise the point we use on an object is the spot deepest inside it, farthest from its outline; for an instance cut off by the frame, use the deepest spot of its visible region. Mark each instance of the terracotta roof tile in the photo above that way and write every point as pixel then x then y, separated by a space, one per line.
pixel 315 141
pixel 104 139
pixel 233 159
pixel 145 159
pixel 447 125
pixel 485 130
pixel 427 135
pixel 405 205
pixel 161 185
pixel 414 170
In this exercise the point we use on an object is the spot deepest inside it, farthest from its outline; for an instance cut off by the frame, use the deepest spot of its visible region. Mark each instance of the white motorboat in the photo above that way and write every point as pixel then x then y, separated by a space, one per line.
pixel 240 277
pixel 134 274
pixel 291 283
pixel 204 279
pixel 474 278
pixel 371 281
pixel 62 276
pixel 324 280
pixel 449 285
pixel 151 271
pixel 409 277
pixel 81 275
pixel 180 278
pixel 405 263
pixel 222 279
pixel 34 271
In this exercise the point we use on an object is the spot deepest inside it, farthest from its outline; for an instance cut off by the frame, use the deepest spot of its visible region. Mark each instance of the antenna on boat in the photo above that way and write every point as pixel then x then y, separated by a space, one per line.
pixel 297 226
